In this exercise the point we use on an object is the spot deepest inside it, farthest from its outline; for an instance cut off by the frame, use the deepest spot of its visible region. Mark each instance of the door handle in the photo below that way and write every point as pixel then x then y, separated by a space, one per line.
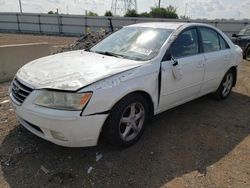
pixel 175 62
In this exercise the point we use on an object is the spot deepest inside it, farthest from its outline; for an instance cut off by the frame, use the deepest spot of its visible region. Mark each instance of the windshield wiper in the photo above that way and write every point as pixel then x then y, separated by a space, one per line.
pixel 109 54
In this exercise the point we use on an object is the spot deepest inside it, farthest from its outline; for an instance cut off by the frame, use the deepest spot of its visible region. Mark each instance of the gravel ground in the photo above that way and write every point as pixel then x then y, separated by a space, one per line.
pixel 204 143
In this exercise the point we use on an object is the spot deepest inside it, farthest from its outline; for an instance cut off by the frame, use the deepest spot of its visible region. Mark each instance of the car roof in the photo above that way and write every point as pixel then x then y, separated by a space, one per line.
pixel 168 25
pixel 161 25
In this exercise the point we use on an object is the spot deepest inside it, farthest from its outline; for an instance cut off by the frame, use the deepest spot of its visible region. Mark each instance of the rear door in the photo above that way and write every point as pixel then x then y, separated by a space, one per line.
pixel 217 55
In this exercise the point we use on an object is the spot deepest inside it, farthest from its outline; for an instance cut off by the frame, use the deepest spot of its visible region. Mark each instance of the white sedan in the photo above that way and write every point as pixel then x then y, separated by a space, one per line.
pixel 114 88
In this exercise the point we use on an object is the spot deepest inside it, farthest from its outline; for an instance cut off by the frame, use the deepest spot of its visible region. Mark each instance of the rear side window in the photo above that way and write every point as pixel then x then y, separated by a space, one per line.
pixel 186 44
pixel 210 40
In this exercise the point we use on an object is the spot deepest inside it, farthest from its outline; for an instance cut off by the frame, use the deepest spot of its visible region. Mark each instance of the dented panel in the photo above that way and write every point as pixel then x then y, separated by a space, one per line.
pixel 73 70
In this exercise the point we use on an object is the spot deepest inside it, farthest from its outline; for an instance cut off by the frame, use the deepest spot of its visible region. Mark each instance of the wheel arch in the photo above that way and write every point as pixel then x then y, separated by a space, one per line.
pixel 140 92
pixel 246 49
pixel 234 70
pixel 145 94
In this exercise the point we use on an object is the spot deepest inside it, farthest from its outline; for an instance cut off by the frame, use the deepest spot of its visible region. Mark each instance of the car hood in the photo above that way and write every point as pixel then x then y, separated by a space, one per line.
pixel 72 70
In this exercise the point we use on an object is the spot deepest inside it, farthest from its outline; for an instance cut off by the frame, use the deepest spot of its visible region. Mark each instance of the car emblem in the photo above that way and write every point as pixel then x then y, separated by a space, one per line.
pixel 16 89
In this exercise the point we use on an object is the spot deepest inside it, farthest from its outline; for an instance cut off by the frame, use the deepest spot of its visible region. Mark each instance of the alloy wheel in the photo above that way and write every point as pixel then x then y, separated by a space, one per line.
pixel 131 121
pixel 227 84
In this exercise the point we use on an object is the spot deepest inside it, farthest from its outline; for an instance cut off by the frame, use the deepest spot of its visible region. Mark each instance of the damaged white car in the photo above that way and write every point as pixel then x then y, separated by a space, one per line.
pixel 114 88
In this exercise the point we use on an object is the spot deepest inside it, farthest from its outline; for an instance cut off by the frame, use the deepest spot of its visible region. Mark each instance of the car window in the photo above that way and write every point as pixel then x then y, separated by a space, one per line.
pixel 186 44
pixel 210 40
pixel 245 31
pixel 223 43
pixel 136 43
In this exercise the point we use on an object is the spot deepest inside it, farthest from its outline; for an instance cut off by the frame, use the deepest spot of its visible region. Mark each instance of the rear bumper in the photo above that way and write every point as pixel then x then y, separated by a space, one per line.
pixel 64 128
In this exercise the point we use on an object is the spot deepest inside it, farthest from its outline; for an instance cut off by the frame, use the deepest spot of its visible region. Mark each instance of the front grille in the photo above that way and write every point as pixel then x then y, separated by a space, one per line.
pixel 19 91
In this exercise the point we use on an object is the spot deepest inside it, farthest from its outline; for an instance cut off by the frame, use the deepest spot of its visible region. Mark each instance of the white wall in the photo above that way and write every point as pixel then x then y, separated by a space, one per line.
pixel 13 57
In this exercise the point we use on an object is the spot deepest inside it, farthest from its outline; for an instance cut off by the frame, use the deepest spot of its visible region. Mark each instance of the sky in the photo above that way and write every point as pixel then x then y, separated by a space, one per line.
pixel 209 9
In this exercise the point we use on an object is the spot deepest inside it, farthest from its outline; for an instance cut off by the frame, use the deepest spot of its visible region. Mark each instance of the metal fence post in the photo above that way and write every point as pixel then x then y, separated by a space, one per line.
pixel 59 23
pixel 86 25
pixel 18 23
pixel 39 22
pixel 111 25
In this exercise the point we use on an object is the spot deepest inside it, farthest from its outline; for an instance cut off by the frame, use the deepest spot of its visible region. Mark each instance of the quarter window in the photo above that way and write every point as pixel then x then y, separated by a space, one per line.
pixel 210 40
pixel 186 44
pixel 223 43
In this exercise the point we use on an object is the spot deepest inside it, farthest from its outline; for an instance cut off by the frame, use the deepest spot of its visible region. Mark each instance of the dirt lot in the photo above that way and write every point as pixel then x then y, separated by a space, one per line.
pixel 53 41
pixel 204 143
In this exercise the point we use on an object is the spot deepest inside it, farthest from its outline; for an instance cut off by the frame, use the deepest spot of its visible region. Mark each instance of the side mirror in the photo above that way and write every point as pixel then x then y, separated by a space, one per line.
pixel 234 35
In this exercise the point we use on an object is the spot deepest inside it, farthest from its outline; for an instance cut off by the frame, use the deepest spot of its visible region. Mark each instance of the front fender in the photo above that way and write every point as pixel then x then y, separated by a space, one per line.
pixel 107 92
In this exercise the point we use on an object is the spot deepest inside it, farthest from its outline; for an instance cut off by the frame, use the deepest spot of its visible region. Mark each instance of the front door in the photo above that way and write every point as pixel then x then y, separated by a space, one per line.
pixel 182 76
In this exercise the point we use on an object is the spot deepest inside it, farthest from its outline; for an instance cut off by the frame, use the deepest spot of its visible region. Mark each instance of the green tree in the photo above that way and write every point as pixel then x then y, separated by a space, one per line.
pixel 144 14
pixel 108 13
pixel 51 12
pixel 168 12
pixel 131 13
pixel 90 13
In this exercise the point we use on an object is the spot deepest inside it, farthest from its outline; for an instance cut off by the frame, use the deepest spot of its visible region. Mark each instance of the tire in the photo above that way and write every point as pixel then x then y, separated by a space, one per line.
pixel 226 86
pixel 248 54
pixel 127 121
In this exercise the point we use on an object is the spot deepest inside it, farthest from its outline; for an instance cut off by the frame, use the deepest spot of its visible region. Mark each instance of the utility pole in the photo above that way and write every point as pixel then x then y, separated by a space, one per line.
pixel 20 4
pixel 159 4
pixel 185 11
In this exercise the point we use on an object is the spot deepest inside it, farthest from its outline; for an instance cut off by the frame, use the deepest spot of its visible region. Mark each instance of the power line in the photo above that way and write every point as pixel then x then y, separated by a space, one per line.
pixel 120 7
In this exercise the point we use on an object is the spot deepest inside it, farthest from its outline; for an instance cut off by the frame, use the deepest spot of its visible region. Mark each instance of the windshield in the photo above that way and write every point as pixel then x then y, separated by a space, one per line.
pixel 245 31
pixel 136 43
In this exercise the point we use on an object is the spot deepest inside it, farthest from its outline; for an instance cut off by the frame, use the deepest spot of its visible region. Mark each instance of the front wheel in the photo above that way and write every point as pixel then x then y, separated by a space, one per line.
pixel 226 86
pixel 248 54
pixel 127 121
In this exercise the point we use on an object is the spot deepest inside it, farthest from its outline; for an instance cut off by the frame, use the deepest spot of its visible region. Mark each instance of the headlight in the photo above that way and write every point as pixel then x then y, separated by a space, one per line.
pixel 63 100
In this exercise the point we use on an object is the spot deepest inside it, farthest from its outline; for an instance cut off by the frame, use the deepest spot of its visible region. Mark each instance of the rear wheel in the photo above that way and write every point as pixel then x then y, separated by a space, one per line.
pixel 248 54
pixel 226 86
pixel 127 121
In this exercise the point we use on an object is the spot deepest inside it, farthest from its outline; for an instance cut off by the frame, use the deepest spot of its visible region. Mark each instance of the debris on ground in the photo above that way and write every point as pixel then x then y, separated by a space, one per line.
pixel 90 169
pixel 5 101
pixel 28 149
pixel 17 151
pixel 45 170
pixel 7 162
pixel 98 156
pixel 4 120
pixel 86 41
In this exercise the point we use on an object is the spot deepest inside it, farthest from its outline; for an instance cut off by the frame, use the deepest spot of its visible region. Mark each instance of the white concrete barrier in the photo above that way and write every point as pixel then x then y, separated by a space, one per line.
pixel 13 57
